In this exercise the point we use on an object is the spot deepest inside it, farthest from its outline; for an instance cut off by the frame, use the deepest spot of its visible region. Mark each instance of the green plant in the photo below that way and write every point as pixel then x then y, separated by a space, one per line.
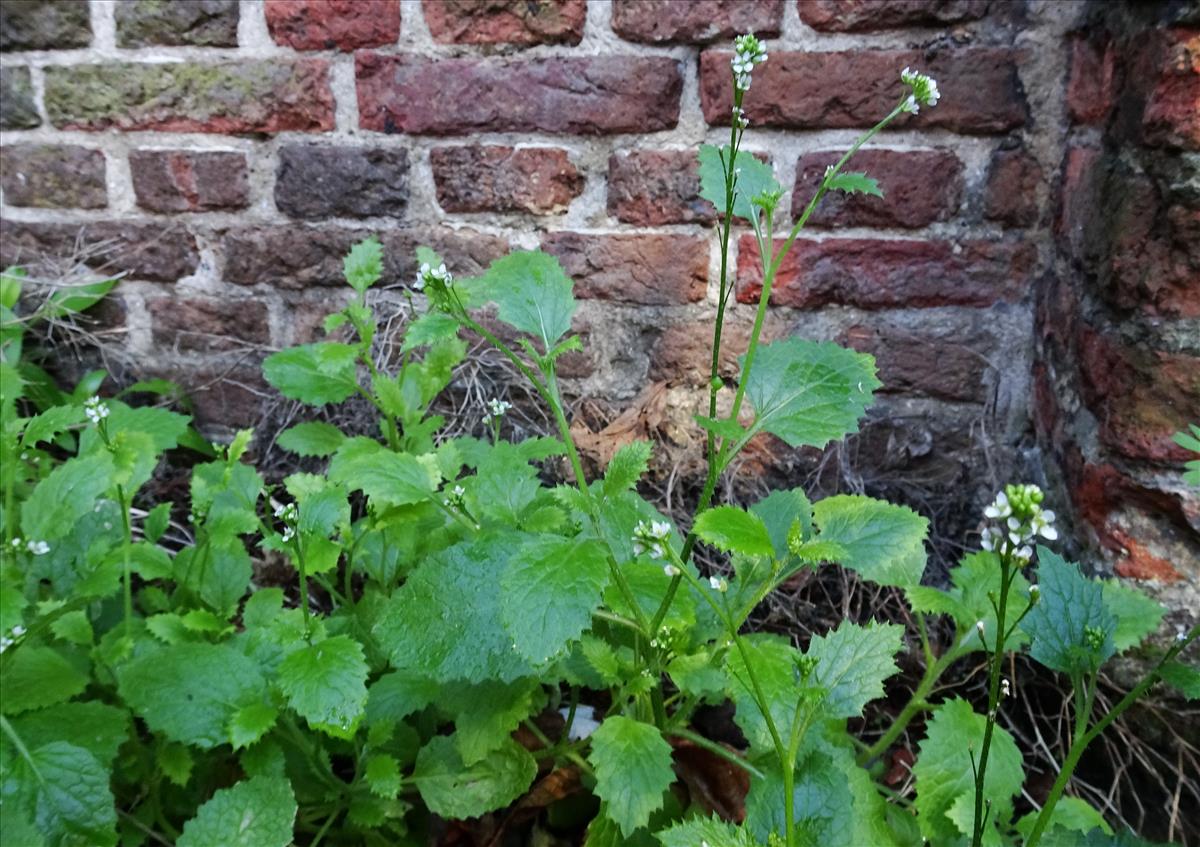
pixel 455 624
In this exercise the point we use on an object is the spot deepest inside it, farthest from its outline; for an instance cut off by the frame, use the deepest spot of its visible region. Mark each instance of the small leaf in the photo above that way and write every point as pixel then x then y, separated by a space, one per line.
pixel 387 478
pixel 456 791
pixel 48 425
pixel 428 329
pixel 38 677
pixel 754 178
pixel 313 438
pixel 257 812
pixel 156 522
pixel 852 663
pixel 363 265
pixel 633 770
pixel 533 294
pixel 851 182
pixel 884 543
pixel 626 467
pixel 250 723
pixel 315 374
pixel 1137 615
pixel 723 428
pixel 1184 678
pixel 382 774
pixel 176 763
pixel 1069 605
pixel 730 529
pixel 326 683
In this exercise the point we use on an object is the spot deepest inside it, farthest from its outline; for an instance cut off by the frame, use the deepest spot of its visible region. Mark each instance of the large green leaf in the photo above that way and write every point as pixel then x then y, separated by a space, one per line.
pixel 456 791
pixel 96 727
pixel 1069 606
pixel 36 677
pixel 312 438
pixel 326 683
pixel 773 661
pixel 387 478
pixel 486 713
pixel 882 542
pixel 549 591
pixel 315 374
pixel 975 584
pixel 65 496
pixel 633 770
pixel 753 178
pixel 730 529
pixel 532 292
pixel 257 812
pixel 72 803
pixel 852 663
pixel 809 393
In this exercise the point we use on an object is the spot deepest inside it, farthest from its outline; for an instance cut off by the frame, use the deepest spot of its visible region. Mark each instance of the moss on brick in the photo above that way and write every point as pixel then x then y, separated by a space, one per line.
pixel 204 23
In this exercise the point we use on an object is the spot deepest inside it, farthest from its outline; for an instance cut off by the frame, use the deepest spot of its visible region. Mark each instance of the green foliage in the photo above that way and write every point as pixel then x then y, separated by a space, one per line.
pixel 532 294
pixel 311 439
pixel 455 790
pixel 1070 605
pixel 730 529
pixel 633 770
pixel 363 265
pixel 882 542
pixel 852 663
pixel 315 374
pixel 754 178
pixel 257 812
pixel 326 683
pixel 855 182
pixel 1190 440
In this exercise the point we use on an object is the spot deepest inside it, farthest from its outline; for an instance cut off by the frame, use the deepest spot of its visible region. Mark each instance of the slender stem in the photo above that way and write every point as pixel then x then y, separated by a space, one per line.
pixel 300 569
pixel 21 748
pixel 717 750
pixel 1007 570
pixel 126 569
pixel 919 702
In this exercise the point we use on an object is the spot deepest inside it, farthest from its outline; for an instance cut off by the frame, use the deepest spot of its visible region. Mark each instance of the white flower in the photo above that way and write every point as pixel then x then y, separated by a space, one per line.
pixel 1025 553
pixel 37 548
pixel 16 543
pixel 651 538
pixel 5 643
pixel 999 508
pixel 924 90
pixel 739 118
pixel 288 534
pixel 716 583
pixel 1043 524
pixel 427 274
pixel 910 105
pixel 498 408
pixel 1005 688
pixel 979 628
pixel 670 570
pixel 18 631
pixel 1034 591
pixel 95 409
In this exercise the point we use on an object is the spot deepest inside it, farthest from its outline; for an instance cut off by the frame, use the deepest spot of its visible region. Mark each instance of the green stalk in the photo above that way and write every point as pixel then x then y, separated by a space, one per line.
pixel 1006 573
pixel 126 569
pixel 21 748
pixel 918 703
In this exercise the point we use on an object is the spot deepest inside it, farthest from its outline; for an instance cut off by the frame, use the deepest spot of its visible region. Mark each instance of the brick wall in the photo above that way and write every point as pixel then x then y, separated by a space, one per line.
pixel 224 155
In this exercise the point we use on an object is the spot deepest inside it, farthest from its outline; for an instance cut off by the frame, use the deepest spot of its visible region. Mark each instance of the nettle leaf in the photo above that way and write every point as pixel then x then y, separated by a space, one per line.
pixel 382 774
pixel 1069 604
pixel 429 328
pixel 974 584
pixel 855 182
pixel 363 265
pixel 809 393
pixel 944 773
pixel 730 529
pixel 36 677
pixel 326 683
pixel 883 542
pixel 250 723
pixel 549 591
pixel 189 692
pixel 779 510
pixel 626 467
pixel 96 727
pixel 1137 615
pixel 774 661
pixel 488 712
pixel 312 438
pixel 754 178
pixel 72 802
pixel 1183 678
pixel 315 374
pixel 852 663
pixel 456 792
pixel 633 770
pixel 533 294
pixel 66 495
pixel 711 831
pixel 257 812
pixel 387 478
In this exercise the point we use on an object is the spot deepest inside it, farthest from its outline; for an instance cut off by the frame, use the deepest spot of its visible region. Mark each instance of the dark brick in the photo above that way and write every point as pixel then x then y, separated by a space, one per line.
pixel 695 22
pixel 189 180
pixel 206 325
pixel 17 109
pixel 656 187
pixel 295 257
pixel 919 188
pixel 341 182
pixel 1171 117
pixel 53 176
pixel 906 359
pixel 1010 195
pixel 203 23
pixel 869 15
pixel 150 251
pixel 981 92
pixel 505 21
pixel 654 270
pixel 223 399
pixel 890 273
pixel 333 24
pixel 249 95
pixel 480 178
pixel 44 24
pixel 586 95
pixel 1091 85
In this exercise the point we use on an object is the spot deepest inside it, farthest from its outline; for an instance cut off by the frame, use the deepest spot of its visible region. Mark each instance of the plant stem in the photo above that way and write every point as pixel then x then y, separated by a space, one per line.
pixel 917 703
pixel 717 750
pixel 1007 570
pixel 126 570
pixel 21 748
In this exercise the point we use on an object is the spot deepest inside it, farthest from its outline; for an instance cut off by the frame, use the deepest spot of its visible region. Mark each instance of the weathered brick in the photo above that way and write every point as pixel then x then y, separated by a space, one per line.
pixel 695 22
pixel 904 357
pixel 919 187
pixel 1010 195
pixel 53 176
pixel 587 95
pixel 489 178
pixel 981 91
pixel 207 325
pixel 295 257
pixel 655 270
pixel 223 399
pixel 44 24
pixel 869 15
pixel 150 251
pixel 683 352
pixel 1091 85
pixel 887 273
pixel 344 182
pixel 189 180
pixel 656 187
pixel 244 96
pixel 505 21
pixel 17 109
pixel 203 23
pixel 333 24
pixel 1172 113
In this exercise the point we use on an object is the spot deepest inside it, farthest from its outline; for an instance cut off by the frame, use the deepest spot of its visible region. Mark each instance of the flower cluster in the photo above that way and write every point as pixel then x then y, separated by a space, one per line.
pixel 37 548
pixel 924 90
pixel 10 639
pixel 717 583
pixel 1019 519
pixel 438 277
pixel 288 514
pixel 95 409
pixel 749 52
pixel 454 499
pixel 496 410
pixel 739 118
pixel 652 538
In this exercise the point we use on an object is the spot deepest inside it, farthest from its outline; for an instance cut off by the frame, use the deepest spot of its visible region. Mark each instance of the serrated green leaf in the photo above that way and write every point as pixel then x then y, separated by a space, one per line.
pixel 396 695
pixel 315 374
pixel 1183 678
pixel 852 663
pixel 74 628
pixel 505 484
pixel 779 510
pixel 176 763
pixel 36 677
pixel 189 692
pixel 428 329
pixel 1068 605
pixel 72 800
pixel 855 182
pixel 730 529
pixel 774 662
pixel 884 542
pixel 66 495
pixel 633 769
pixel 48 425
pixel 455 791
pixel 382 774
pixel 96 727
pixel 1136 614
pixel 710 831
pixel 626 467
pixel 754 178
pixel 156 522
pixel 486 713
pixel 532 293
pixel 71 299
pixel 1070 814
pixel 549 591
pixel 809 393
pixel 250 723
pixel 974 584
pixel 387 478
pixel 257 812
pixel 312 438
pixel 324 512
pixel 363 265
pixel 326 683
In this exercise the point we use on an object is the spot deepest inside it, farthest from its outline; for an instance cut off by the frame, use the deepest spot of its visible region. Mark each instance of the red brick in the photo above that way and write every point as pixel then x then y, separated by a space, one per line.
pixel 1010 195
pixel 249 95
pixel 586 95
pixel 1172 113
pixel 656 187
pixel 905 360
pixel 654 270
pixel 189 180
pixel 981 92
pixel 479 178
pixel 333 24
pixel 150 251
pixel 683 353
pixel 890 273
pixel 695 21
pixel 505 21
pixel 868 15
pixel 1081 195
pixel 53 176
pixel 207 325
pixel 919 187
pixel 1091 86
